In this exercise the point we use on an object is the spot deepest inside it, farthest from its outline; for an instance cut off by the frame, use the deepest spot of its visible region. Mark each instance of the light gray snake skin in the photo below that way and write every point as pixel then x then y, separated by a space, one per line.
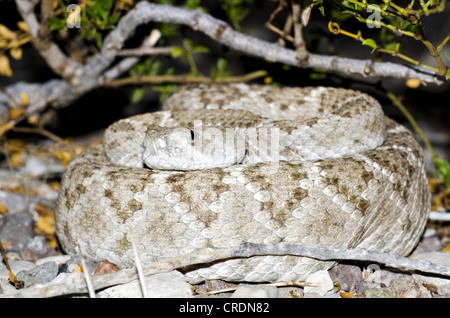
pixel 347 177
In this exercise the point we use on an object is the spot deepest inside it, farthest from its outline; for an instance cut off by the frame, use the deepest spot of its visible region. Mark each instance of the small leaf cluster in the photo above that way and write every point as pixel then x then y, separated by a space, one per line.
pixel 96 17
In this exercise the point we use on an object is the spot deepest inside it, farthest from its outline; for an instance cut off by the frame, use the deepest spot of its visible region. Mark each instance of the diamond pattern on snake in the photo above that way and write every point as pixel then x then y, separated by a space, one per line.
pixel 223 165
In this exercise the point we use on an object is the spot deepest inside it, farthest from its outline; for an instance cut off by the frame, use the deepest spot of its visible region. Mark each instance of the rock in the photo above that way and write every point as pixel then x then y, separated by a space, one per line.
pixel 427 244
pixel 384 292
pixel 290 292
pixel 35 248
pixel 58 259
pixel 323 281
pixel 202 289
pixel 105 267
pixel 71 265
pixel 17 230
pixel 6 286
pixel 16 267
pixel 37 245
pixel 164 285
pixel 14 203
pixel 349 277
pixel 256 291
pixel 406 287
pixel 39 275
pixel 435 285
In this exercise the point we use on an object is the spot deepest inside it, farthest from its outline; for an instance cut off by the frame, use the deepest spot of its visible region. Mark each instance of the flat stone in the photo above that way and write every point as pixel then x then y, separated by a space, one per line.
pixel 41 274
pixel 435 285
pixel 256 291
pixel 16 267
pixel 349 277
pixel 384 292
pixel 164 285
pixel 323 281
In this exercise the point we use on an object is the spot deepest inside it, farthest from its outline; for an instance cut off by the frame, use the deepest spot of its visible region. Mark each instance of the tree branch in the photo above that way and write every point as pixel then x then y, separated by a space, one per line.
pixel 218 30
pixel 60 63
pixel 80 79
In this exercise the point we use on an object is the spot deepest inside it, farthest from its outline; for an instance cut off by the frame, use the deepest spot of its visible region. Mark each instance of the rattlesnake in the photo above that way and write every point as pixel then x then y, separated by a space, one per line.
pixel 345 176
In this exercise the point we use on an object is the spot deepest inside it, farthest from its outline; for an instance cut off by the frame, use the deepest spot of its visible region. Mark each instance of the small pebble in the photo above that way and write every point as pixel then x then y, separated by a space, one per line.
pixel 105 267
pixel 16 267
pixel 384 292
pixel 71 265
pixel 39 275
pixel 17 230
pixel 322 280
pixel 164 285
pixel 349 277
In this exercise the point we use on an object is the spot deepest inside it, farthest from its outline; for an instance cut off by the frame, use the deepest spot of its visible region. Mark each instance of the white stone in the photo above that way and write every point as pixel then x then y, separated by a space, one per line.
pixel 256 291
pixel 164 285
pixel 323 281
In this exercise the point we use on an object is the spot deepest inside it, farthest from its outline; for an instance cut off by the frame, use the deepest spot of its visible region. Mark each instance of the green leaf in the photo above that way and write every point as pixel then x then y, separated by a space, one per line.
pixel 177 51
pixel 446 54
pixel 348 5
pixel 200 49
pixel 221 64
pixel 137 95
pixel 57 24
pixel 443 171
pixel 393 46
pixel 370 42
pixel 447 76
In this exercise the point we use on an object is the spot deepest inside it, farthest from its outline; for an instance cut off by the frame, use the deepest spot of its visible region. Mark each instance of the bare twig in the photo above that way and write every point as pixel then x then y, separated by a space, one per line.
pixel 12 278
pixel 439 216
pixel 158 79
pixel 396 101
pixel 223 33
pixel 138 265
pixel 87 277
pixel 145 51
pixel 299 43
pixel 40 131
pixel 60 63
pixel 282 284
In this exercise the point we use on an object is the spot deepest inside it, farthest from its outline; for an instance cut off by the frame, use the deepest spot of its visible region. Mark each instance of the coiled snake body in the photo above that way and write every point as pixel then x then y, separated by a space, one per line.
pixel 345 176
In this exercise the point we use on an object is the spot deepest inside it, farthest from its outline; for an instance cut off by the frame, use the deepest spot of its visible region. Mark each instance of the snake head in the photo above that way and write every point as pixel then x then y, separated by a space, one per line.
pixel 179 148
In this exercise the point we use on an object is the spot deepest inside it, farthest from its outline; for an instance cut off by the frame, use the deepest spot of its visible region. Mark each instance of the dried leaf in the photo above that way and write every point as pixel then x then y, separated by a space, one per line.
pixel 55 185
pixel 46 224
pixel 446 249
pixel 5 127
pixel 24 99
pixel 78 269
pixel 346 295
pixel 5 69
pixel 3 209
pixel 16 53
pixel 413 83
pixel 64 155
pixel 33 119
pixel 14 113
pixel 6 33
pixel 23 26
pixel 17 159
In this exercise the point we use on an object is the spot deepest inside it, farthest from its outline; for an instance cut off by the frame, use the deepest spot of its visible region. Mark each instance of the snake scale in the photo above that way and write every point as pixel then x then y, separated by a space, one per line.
pixel 346 176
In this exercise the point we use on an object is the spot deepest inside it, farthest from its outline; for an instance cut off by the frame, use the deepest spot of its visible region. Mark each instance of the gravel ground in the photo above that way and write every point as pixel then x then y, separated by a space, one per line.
pixel 27 196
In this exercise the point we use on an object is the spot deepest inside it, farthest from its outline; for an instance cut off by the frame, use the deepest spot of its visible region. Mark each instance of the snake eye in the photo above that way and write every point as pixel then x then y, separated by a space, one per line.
pixel 192 135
